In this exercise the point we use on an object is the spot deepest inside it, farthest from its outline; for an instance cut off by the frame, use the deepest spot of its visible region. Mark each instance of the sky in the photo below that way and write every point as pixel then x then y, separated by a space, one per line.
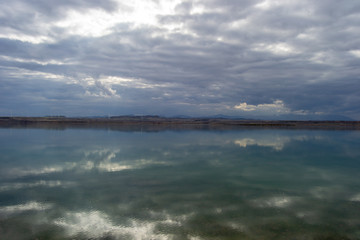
pixel 271 59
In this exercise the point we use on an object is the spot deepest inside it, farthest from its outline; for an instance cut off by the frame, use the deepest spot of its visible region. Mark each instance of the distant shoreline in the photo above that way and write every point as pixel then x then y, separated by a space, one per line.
pixel 163 123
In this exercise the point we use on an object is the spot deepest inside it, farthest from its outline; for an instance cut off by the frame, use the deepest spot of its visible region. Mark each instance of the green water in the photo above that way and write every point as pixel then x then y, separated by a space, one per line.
pixel 241 184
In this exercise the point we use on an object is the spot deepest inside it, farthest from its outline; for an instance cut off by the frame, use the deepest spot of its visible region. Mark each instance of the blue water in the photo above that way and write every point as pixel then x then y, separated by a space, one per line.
pixel 241 184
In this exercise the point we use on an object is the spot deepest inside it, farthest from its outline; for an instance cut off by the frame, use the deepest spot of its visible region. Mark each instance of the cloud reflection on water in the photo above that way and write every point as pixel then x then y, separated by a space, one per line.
pixel 276 201
pixel 277 142
pixel 29 206
pixel 104 160
pixel 355 198
pixel 185 185
pixel 96 224
pixel 42 183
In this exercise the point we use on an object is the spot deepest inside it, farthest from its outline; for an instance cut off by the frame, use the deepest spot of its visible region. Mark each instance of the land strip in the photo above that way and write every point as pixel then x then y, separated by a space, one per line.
pixel 161 123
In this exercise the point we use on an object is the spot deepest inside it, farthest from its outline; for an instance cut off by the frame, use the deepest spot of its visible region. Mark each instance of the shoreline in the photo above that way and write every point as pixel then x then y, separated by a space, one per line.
pixel 163 123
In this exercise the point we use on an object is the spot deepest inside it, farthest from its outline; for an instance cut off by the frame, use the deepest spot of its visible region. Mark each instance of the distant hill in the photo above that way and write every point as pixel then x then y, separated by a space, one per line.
pixel 285 117
pixel 309 117
pixel 217 116
pixel 221 116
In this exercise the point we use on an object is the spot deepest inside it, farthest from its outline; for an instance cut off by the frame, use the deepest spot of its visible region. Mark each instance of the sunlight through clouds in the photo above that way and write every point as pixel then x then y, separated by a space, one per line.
pixel 97 23
pixel 94 23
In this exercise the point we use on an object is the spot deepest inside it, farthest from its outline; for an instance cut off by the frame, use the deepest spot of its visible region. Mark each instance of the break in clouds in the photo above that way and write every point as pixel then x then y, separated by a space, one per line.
pixel 271 59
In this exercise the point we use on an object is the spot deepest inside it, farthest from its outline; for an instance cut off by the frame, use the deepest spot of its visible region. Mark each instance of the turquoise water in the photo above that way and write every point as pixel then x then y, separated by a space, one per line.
pixel 241 184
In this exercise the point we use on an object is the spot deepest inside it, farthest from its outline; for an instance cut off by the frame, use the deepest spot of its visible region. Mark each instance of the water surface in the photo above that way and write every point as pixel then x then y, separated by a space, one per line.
pixel 243 184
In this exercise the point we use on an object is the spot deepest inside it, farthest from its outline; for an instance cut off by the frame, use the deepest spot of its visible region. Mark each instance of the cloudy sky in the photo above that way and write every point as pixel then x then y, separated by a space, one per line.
pixel 250 58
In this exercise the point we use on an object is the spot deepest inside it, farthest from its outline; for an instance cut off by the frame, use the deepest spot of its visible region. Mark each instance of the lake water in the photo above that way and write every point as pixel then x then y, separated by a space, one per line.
pixel 241 184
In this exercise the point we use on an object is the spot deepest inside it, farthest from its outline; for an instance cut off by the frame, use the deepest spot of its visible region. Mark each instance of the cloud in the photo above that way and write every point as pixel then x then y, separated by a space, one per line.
pixel 277 107
pixel 180 57
pixel 356 53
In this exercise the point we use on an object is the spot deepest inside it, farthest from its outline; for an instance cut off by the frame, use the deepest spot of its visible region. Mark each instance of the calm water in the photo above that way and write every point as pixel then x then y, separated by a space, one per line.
pixel 243 184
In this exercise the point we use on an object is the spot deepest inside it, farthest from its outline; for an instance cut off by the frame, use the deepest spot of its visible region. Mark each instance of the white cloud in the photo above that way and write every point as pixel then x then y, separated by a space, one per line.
pixel 281 49
pixel 43 63
pixel 20 73
pixel 326 58
pixel 356 53
pixel 277 107
pixel 131 82
pixel 85 22
pixel 35 39
pixel 104 86
pixel 264 5
pixel 96 87
pixel 93 23
pixel 98 22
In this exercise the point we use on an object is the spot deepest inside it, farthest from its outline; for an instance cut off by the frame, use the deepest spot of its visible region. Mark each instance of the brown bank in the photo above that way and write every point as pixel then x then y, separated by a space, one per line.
pixel 156 123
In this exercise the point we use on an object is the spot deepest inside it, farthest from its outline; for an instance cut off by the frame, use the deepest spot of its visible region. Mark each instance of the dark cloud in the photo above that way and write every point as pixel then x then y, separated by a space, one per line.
pixel 203 56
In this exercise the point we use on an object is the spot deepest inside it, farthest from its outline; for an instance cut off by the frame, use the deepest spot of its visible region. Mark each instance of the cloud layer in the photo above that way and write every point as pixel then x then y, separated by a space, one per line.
pixel 245 58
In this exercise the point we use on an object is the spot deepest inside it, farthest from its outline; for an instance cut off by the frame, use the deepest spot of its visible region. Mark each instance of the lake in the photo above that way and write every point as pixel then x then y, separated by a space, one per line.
pixel 233 184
